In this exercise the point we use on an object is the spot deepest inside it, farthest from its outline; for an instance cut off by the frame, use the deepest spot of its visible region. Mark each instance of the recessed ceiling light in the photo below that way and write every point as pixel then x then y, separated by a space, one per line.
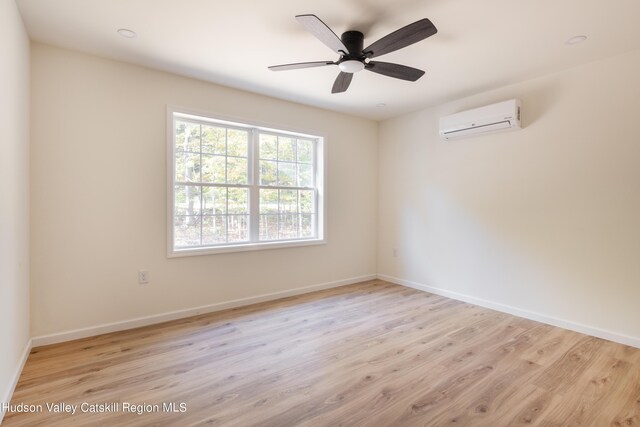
pixel 381 105
pixel 124 32
pixel 576 40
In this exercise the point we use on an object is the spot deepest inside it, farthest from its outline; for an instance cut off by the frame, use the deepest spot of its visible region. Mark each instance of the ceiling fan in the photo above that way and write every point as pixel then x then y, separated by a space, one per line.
pixel 354 58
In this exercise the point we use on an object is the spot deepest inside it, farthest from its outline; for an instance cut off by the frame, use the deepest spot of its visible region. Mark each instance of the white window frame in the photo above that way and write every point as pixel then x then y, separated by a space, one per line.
pixel 254 127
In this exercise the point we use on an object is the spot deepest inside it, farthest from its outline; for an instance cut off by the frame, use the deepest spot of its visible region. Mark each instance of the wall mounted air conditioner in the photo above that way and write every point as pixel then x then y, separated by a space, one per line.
pixel 498 117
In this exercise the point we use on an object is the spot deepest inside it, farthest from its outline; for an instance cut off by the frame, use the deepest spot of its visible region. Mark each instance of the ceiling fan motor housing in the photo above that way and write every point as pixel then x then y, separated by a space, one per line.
pixel 354 42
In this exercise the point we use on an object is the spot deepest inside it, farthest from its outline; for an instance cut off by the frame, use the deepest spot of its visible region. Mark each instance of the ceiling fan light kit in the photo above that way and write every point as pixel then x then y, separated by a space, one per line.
pixel 351 66
pixel 355 58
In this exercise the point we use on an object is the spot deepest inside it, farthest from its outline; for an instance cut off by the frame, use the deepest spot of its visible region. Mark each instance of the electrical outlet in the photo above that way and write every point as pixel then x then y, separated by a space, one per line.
pixel 395 252
pixel 143 276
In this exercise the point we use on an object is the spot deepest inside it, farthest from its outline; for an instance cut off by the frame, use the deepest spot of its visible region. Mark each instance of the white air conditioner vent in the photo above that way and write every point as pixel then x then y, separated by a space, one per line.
pixel 498 117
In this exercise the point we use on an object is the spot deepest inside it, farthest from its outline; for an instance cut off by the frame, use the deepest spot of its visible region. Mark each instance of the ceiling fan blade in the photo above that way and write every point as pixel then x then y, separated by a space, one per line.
pixel 342 82
pixel 403 37
pixel 322 32
pixel 300 65
pixel 395 70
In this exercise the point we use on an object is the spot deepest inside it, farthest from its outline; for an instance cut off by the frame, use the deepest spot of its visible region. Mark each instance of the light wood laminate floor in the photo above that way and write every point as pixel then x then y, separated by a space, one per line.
pixel 370 354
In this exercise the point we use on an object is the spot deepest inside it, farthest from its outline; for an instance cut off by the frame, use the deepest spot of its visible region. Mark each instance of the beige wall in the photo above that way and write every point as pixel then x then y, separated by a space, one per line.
pixel 544 220
pixel 14 195
pixel 99 191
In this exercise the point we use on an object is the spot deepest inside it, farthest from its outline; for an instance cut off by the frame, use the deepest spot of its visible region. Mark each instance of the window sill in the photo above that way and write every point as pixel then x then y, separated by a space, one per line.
pixel 178 253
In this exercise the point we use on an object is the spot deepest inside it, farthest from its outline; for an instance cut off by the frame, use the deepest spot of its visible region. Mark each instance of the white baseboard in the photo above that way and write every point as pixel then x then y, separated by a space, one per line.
pixel 539 317
pixel 6 398
pixel 180 314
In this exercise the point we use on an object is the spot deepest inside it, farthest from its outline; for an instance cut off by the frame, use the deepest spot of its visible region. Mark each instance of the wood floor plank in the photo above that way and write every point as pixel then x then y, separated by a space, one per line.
pixel 599 384
pixel 528 406
pixel 562 375
pixel 366 354
pixel 548 349
pixel 483 402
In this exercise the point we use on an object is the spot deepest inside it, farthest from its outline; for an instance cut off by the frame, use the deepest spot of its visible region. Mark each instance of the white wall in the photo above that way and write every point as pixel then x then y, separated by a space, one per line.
pixel 99 190
pixel 14 195
pixel 545 220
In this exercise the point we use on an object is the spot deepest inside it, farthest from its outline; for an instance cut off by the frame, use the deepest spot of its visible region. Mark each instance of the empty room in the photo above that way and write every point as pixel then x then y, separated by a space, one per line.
pixel 338 213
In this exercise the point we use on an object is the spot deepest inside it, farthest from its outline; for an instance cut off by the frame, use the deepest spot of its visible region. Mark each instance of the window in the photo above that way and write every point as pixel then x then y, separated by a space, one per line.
pixel 235 186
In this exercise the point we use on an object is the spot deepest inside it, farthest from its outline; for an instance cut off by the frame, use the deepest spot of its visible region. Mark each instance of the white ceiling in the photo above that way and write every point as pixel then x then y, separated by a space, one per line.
pixel 481 44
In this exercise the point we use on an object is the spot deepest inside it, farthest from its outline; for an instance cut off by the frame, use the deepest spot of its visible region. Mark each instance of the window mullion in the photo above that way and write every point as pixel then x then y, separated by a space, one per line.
pixel 201 197
pixel 254 189
pixel 227 218
pixel 315 217
pixel 298 213
pixel 279 215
